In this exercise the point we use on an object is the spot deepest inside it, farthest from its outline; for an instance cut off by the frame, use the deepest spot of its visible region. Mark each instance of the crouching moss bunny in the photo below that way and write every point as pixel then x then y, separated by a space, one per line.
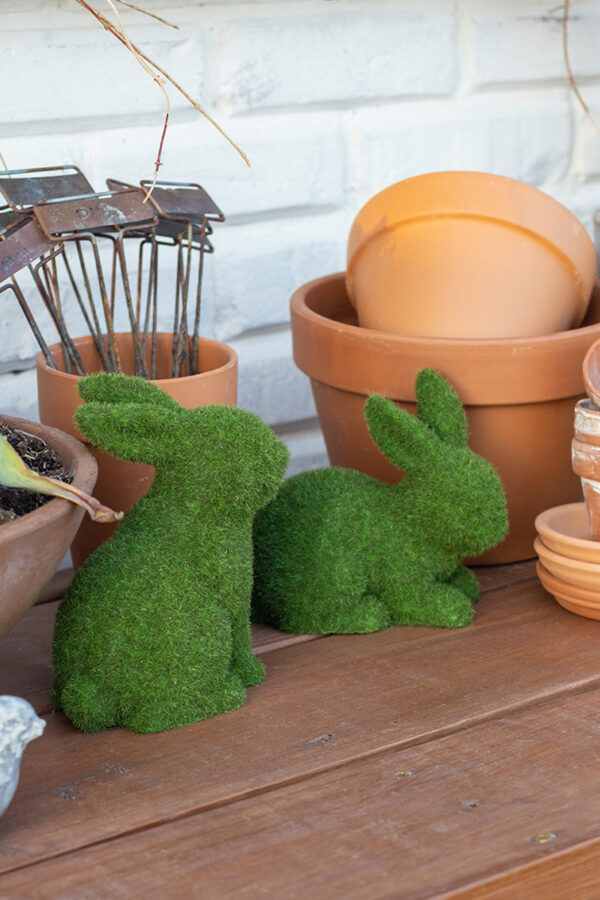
pixel 337 551
pixel 154 631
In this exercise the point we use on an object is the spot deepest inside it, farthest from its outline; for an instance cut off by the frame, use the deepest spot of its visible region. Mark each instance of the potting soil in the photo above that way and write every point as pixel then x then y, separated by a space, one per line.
pixel 36 454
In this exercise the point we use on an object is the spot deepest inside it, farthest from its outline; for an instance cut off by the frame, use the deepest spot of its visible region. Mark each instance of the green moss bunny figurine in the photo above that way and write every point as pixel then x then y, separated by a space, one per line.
pixel 337 551
pixel 154 631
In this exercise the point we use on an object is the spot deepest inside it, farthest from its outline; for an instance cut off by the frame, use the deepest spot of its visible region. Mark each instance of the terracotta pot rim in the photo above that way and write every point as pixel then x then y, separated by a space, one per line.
pixel 563 230
pixel 232 360
pixel 299 305
pixel 502 371
pixel 84 467
pixel 592 390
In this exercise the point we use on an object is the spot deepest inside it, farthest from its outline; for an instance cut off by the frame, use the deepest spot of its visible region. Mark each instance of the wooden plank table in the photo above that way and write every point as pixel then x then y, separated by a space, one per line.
pixel 408 763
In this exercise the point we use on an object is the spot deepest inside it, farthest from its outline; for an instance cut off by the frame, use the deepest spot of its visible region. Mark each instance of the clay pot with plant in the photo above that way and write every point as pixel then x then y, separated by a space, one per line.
pixel 132 236
pixel 39 514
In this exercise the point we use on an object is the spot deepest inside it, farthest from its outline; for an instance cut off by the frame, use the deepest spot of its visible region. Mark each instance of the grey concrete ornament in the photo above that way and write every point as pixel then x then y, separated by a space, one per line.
pixel 19 724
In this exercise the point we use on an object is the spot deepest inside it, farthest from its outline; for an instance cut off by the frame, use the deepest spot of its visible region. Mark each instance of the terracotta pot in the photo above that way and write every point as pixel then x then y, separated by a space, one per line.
pixel 120 483
pixel 572 571
pixel 587 422
pixel 591 373
pixel 519 397
pixel 32 546
pixel 468 255
pixel 581 601
pixel 585 459
pixel 565 530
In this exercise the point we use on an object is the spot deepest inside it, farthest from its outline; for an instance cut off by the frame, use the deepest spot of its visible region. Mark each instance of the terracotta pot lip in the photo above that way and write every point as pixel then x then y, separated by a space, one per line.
pixel 232 360
pixel 592 391
pixel 568 235
pixel 588 405
pixel 85 470
pixel 300 306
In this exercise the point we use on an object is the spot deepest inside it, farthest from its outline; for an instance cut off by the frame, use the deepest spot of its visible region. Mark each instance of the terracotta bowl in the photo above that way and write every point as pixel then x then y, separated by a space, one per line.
pixel 578 600
pixel 32 547
pixel 519 396
pixel 121 483
pixel 565 531
pixel 468 255
pixel 571 571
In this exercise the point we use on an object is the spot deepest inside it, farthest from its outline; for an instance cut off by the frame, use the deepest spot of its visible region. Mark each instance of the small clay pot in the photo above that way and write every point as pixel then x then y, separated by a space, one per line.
pixel 32 546
pixel 468 255
pixel 586 426
pixel 565 530
pixel 581 601
pixel 518 394
pixel 585 459
pixel 591 373
pixel 121 484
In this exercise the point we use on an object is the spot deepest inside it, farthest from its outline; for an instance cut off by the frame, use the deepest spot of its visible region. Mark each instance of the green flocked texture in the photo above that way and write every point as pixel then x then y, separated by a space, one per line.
pixel 337 551
pixel 154 631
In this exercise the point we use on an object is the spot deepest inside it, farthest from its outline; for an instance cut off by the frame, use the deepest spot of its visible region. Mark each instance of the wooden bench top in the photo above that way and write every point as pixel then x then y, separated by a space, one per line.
pixel 408 763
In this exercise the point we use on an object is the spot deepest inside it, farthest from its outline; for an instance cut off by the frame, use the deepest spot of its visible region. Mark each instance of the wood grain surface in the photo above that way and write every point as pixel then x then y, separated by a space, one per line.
pixel 409 763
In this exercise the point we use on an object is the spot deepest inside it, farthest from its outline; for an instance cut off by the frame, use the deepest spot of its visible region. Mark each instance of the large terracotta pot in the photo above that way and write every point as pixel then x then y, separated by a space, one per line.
pixel 121 484
pixel 519 397
pixel 32 546
pixel 468 255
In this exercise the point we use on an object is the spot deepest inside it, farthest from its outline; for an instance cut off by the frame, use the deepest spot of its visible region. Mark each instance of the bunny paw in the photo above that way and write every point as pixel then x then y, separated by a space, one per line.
pixel 249 670
pixel 465 580
pixel 440 606
pixel 356 617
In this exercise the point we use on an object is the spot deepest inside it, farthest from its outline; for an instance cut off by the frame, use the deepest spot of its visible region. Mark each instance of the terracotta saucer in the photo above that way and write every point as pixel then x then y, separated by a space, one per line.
pixel 565 529
pixel 577 600
pixel 572 571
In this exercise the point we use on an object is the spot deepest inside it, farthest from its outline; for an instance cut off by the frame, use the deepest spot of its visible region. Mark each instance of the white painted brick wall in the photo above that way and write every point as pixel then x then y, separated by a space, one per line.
pixel 332 100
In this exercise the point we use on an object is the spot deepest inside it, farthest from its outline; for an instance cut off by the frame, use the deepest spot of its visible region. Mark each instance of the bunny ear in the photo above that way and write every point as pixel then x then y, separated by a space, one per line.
pixel 106 388
pixel 401 437
pixel 142 435
pixel 439 407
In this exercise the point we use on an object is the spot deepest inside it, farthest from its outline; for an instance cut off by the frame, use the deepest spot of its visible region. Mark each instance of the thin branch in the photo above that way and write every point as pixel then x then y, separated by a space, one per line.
pixel 140 55
pixel 146 12
pixel 571 77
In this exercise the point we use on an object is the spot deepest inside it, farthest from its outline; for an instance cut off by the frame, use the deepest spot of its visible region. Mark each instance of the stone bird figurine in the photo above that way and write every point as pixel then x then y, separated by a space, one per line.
pixel 19 724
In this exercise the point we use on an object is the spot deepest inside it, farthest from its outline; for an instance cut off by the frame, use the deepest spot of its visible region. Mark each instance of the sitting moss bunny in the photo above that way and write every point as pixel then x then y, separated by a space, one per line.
pixel 154 631
pixel 338 551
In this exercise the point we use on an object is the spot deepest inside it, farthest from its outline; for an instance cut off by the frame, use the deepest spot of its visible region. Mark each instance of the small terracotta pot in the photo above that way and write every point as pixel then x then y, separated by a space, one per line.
pixel 121 484
pixel 591 373
pixel 585 459
pixel 468 255
pixel 586 426
pixel 519 397
pixel 32 546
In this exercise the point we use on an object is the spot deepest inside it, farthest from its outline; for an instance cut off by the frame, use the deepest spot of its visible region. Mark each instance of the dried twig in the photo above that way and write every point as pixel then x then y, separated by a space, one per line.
pixel 143 58
pixel 571 77
pixel 152 15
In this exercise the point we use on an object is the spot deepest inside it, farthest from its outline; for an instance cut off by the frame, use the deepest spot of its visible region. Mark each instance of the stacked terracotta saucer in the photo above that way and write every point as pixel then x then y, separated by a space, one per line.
pixel 568 542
